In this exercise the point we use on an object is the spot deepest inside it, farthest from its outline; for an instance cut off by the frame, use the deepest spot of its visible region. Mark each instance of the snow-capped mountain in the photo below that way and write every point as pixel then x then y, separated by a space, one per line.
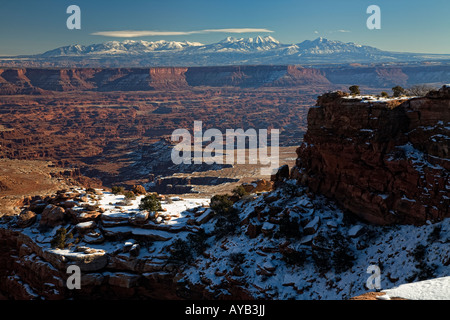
pixel 118 48
pixel 325 46
pixel 230 51
pixel 259 43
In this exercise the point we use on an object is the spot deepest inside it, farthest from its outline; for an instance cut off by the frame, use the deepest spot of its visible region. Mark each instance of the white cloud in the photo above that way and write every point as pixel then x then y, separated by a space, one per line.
pixel 147 33
pixel 339 31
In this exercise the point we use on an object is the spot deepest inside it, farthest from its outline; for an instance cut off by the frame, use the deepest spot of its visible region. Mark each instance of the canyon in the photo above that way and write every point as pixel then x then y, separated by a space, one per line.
pixel 34 80
pixel 368 170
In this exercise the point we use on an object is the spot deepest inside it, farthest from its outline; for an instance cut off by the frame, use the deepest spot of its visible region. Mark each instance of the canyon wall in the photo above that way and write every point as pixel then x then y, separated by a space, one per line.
pixel 40 80
pixel 386 161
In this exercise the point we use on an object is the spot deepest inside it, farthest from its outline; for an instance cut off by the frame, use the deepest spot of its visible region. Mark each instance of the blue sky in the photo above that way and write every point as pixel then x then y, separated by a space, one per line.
pixel 28 27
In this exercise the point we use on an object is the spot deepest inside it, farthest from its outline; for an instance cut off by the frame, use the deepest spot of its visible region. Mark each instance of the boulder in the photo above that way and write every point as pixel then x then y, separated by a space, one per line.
pixel 26 218
pixel 139 218
pixel 281 175
pixel 267 229
pixel 135 250
pixel 52 216
pixel 94 237
pixel 312 226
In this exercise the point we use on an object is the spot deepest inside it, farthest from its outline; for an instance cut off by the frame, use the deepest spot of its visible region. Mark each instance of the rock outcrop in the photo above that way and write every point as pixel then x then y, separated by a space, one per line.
pixel 41 80
pixel 385 160
pixel 28 80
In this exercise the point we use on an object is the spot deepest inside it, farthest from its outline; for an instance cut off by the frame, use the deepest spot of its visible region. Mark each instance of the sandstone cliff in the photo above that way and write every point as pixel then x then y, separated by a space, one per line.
pixel 387 161
pixel 39 80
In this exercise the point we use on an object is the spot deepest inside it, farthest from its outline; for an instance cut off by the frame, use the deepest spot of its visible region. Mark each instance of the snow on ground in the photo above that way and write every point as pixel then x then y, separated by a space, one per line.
pixel 394 249
pixel 404 253
pixel 371 98
pixel 433 289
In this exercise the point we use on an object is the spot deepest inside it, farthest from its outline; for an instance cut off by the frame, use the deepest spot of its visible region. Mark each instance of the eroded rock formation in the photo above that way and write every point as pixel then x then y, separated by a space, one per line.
pixel 385 160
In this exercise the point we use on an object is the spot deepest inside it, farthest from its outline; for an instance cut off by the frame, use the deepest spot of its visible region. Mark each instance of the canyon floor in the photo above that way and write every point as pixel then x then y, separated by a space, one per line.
pixel 113 137
pixel 20 179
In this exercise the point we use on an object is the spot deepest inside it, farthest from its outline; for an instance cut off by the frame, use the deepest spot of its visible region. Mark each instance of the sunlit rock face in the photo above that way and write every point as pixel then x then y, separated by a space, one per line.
pixel 386 160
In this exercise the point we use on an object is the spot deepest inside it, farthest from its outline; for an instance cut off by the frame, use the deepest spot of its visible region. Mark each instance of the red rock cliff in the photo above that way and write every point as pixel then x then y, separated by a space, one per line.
pixel 385 161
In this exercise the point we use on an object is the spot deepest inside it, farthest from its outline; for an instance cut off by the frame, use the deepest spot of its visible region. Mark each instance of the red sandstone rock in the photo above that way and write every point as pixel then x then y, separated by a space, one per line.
pixel 52 216
pixel 385 162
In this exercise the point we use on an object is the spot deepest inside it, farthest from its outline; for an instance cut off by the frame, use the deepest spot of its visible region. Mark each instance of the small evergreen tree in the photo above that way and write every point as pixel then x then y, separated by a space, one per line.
pixel 239 191
pixel 398 91
pixel 181 251
pixel 354 90
pixel 60 238
pixel 150 203
pixel 227 215
pixel 117 190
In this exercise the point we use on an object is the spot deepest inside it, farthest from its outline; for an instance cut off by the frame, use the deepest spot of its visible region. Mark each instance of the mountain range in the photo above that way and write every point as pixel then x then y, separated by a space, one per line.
pixel 230 51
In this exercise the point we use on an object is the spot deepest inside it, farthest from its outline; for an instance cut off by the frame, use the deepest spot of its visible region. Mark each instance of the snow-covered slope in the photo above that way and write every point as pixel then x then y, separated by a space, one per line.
pixel 329 257
pixel 433 289
pixel 285 244
pixel 127 47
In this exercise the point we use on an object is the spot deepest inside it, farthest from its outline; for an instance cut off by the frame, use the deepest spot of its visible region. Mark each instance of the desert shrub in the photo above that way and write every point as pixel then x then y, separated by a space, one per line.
pixel 185 251
pixel 289 189
pixel 354 90
pixel 322 260
pixel 435 235
pixel 60 238
pixel 419 252
pixel 293 257
pixel 221 204
pixel 226 225
pixel 197 241
pixel 342 257
pixel 117 190
pixel 398 91
pixel 384 94
pixel 425 271
pixel 236 258
pixel 180 251
pixel 227 216
pixel 90 190
pixel 129 195
pixel 139 189
pixel 419 90
pixel 239 191
pixel 150 203
pixel 289 228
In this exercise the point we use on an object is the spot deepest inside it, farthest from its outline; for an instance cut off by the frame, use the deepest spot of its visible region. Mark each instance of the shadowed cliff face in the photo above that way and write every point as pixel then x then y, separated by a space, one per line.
pixel 385 161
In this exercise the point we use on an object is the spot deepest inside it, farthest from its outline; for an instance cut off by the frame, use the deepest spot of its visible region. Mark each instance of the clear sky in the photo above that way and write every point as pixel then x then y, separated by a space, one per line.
pixel 35 26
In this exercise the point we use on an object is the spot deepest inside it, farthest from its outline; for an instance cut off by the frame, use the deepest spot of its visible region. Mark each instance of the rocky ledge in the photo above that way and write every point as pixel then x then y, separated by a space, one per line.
pixel 282 244
pixel 386 160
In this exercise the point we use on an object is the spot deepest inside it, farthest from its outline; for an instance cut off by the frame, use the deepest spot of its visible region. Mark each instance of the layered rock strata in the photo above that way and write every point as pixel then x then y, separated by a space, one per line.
pixel 386 160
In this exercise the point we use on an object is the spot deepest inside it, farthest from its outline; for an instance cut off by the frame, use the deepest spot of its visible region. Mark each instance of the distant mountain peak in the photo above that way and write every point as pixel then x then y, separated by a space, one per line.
pixel 229 51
